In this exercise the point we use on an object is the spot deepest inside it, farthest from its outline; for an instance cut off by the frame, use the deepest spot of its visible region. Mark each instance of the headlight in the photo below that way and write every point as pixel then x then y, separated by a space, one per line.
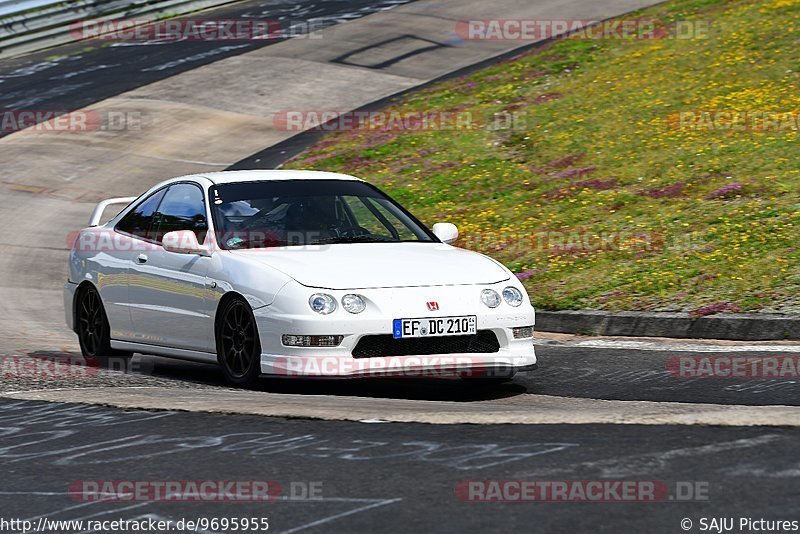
pixel 322 303
pixel 353 303
pixel 490 297
pixel 512 296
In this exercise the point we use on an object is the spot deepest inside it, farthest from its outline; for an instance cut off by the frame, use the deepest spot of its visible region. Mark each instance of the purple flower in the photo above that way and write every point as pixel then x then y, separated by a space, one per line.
pixel 726 190
pixel 671 191
pixel 600 185
pixel 719 307
pixel 566 161
pixel 524 275
pixel 576 173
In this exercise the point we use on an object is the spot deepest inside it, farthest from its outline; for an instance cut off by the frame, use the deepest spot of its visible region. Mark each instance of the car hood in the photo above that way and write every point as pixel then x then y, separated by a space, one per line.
pixel 373 265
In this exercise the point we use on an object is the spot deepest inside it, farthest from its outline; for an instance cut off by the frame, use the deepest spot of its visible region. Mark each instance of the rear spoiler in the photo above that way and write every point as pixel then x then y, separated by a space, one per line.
pixel 97 214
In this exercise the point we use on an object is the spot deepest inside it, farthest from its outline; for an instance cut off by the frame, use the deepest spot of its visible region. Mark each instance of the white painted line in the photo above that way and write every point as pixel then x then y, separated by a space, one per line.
pixel 339 516
pixel 668 346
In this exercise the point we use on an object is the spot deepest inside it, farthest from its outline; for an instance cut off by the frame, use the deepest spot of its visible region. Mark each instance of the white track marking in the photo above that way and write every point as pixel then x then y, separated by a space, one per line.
pixel 648 463
pixel 752 471
pixel 343 514
pixel 667 346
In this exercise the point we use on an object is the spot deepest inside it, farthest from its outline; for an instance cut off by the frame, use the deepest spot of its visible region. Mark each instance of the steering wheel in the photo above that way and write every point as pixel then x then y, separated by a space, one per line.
pixel 260 221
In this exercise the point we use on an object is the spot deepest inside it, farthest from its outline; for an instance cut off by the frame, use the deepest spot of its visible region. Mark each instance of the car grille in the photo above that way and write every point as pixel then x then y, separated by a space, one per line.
pixel 385 345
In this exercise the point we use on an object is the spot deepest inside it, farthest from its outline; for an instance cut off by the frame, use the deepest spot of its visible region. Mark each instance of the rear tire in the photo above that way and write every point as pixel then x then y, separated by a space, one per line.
pixel 238 344
pixel 94 332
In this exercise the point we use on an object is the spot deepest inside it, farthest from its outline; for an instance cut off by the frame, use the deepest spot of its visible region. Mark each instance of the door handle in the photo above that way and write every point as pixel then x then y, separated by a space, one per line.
pixel 142 258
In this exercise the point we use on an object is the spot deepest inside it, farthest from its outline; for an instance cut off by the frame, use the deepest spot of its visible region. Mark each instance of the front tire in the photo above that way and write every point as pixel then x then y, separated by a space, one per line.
pixel 238 344
pixel 94 332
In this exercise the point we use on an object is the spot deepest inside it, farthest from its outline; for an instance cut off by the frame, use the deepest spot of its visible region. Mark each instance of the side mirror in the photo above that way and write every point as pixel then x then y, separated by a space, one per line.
pixel 183 242
pixel 446 232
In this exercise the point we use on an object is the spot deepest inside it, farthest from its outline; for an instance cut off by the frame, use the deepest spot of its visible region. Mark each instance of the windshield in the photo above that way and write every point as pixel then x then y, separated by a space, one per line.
pixel 309 212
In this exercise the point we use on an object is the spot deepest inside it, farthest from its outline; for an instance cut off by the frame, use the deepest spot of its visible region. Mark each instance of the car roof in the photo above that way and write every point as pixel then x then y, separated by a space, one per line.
pixel 227 177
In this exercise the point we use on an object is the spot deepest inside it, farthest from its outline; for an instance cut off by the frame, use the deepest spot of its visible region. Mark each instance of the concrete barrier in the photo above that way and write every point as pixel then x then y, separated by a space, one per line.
pixel 32 25
pixel 731 326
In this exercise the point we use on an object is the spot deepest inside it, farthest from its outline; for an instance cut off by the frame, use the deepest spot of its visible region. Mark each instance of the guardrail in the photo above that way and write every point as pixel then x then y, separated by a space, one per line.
pixel 28 25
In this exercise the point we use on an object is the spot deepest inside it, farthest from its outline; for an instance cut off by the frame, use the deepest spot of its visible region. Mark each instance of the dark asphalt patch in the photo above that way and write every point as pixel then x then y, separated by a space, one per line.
pixel 624 374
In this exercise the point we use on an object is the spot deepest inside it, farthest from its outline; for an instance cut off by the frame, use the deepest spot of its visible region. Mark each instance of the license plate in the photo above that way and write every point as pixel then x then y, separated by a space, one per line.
pixel 435 326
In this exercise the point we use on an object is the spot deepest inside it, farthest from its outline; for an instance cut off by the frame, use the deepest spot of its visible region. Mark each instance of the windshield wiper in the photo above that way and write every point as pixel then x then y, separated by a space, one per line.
pixel 354 239
pixel 245 244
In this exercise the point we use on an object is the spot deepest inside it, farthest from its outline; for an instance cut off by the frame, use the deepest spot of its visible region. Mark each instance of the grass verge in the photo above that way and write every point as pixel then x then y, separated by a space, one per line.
pixel 623 184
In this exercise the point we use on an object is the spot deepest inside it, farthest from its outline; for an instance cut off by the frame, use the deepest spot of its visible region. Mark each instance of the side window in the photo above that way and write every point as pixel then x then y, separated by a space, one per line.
pixel 138 221
pixel 183 208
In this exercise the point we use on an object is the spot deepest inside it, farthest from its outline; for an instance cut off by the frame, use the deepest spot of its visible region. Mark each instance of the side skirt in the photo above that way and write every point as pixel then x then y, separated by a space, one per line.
pixel 155 350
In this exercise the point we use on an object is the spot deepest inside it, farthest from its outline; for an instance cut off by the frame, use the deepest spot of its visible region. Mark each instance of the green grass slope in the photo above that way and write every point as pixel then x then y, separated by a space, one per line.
pixel 599 196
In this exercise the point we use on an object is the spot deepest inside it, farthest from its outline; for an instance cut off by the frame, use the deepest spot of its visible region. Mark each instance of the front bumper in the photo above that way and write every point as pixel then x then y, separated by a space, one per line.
pixel 285 316
pixel 427 366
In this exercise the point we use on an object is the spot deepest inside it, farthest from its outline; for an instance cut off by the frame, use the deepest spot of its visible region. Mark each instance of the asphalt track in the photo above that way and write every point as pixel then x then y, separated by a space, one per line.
pixel 737 436
pixel 388 477
pixel 73 76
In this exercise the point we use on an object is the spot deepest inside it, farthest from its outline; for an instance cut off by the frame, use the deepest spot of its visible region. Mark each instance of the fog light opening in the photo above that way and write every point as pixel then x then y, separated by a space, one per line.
pixel 522 332
pixel 291 340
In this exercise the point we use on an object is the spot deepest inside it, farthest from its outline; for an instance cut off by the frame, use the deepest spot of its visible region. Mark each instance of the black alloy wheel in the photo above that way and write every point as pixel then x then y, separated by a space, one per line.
pixel 238 345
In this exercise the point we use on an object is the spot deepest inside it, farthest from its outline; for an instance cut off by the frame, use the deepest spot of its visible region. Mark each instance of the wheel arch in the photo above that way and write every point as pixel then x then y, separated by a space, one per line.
pixel 223 301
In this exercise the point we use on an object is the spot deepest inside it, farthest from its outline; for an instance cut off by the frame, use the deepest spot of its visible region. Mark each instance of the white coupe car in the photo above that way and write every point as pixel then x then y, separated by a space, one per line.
pixel 292 273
